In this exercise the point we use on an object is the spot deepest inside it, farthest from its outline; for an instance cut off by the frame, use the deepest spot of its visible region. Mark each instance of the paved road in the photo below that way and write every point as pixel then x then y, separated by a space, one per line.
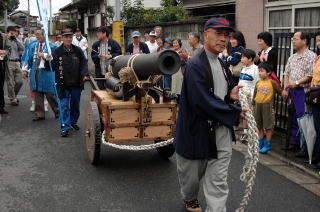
pixel 40 171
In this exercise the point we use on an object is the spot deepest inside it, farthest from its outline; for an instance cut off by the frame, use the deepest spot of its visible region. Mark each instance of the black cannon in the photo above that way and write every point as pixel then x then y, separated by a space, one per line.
pixel 128 74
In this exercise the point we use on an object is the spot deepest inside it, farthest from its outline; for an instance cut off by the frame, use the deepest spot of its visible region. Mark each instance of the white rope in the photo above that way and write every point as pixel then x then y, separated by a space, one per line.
pixel 138 147
pixel 251 159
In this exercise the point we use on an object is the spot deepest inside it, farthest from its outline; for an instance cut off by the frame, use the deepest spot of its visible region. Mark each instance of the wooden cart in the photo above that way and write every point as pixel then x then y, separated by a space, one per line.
pixel 128 121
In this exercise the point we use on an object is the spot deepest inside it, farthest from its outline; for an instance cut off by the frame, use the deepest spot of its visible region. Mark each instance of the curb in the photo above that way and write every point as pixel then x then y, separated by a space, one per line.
pixel 285 160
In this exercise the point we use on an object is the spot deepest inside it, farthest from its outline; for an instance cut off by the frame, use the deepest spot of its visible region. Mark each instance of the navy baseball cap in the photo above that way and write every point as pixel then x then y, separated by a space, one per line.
pixel 218 23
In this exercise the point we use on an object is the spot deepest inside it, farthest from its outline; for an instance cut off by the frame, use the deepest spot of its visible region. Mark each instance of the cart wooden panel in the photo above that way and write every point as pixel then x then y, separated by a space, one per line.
pixel 129 121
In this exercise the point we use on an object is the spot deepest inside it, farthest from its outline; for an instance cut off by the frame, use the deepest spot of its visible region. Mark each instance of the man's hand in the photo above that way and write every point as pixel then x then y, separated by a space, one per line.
pixel 243 112
pixel 184 55
pixel 3 52
pixel 48 57
pixel 292 84
pixel 85 78
pixel 24 75
pixel 234 95
pixel 106 56
pixel 40 54
pixel 285 94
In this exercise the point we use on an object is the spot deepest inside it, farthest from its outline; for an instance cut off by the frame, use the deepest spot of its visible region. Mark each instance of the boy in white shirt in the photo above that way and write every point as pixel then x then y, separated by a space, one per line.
pixel 249 76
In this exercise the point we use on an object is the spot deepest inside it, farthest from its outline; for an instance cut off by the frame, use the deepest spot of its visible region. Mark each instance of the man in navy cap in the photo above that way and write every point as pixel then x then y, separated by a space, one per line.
pixel 207 114
pixel 137 47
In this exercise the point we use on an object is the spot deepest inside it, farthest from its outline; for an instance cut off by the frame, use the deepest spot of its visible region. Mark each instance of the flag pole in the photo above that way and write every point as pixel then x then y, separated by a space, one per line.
pixel 50 65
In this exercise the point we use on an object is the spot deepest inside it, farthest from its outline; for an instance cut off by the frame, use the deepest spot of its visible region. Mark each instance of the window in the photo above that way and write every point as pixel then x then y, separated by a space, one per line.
pixel 291 18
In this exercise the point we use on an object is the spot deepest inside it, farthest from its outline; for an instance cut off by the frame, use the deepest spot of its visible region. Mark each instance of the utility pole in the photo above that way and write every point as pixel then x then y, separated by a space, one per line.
pixel 5 18
pixel 117 10
pixel 50 21
pixel 28 18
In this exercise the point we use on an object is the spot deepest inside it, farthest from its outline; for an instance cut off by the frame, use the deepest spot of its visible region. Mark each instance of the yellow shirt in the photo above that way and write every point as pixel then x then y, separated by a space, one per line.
pixel 316 73
pixel 264 91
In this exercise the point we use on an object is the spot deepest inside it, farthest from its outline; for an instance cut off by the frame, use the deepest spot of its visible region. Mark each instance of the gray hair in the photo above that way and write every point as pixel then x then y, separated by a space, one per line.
pixel 195 35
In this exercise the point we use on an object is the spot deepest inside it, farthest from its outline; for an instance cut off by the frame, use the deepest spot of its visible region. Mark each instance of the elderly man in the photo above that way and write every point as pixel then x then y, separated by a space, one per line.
pixel 194 42
pixel 158 31
pixel 14 74
pixel 205 122
pixel 297 77
pixel 152 44
pixel 137 47
pixel 71 70
pixel 41 80
pixel 102 51
pixel 80 41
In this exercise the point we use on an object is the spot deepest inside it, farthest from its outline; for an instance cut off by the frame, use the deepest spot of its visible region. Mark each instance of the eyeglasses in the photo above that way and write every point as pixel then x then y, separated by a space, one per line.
pixel 220 33
pixel 295 39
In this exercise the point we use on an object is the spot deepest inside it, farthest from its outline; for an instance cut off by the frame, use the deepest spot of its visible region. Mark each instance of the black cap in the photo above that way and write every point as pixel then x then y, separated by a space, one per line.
pixel 78 30
pixel 218 23
pixel 67 31
pixel 102 29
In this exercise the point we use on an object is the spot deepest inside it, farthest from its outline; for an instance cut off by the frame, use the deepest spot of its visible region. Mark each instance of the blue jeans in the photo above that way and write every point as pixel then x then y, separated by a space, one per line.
pixel 70 106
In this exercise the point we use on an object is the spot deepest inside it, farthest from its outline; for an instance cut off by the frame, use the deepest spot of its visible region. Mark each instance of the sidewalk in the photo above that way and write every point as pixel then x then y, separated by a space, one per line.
pixel 286 164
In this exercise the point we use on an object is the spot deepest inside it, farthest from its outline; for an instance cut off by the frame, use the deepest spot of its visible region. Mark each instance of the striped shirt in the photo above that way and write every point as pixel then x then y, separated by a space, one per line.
pixel 299 66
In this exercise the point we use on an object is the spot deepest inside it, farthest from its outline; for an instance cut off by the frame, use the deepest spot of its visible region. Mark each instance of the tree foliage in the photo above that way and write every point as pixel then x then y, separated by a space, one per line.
pixel 10 5
pixel 135 14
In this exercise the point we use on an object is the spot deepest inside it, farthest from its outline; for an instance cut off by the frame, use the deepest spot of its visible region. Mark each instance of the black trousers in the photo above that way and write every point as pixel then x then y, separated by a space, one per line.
pixel 2 79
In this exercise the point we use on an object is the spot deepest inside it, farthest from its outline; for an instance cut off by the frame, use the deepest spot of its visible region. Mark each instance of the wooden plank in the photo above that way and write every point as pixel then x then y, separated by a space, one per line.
pixel 157 131
pixel 124 116
pixel 161 114
pixel 137 124
pixel 125 133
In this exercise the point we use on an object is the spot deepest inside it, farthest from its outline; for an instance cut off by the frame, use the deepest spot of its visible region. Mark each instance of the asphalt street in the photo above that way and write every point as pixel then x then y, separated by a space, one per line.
pixel 42 172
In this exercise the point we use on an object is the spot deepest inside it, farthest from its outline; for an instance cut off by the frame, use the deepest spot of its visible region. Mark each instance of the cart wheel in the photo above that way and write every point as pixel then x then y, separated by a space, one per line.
pixel 93 133
pixel 165 152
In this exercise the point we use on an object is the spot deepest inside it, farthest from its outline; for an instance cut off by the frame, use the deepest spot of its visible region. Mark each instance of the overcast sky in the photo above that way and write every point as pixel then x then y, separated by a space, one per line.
pixel 56 5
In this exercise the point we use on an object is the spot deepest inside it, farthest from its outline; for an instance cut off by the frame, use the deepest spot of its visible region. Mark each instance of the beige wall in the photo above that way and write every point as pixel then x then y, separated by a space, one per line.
pixel 249 20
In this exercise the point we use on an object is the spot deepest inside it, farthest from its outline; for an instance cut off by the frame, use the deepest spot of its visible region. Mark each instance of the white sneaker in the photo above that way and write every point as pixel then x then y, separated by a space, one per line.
pixel 46 105
pixel 33 106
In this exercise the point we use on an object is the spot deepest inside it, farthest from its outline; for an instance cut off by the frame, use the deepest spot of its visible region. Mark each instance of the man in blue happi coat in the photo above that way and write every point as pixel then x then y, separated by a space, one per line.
pixel 41 78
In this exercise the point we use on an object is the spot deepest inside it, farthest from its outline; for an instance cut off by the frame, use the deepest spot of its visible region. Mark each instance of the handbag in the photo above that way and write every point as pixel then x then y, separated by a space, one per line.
pixel 313 96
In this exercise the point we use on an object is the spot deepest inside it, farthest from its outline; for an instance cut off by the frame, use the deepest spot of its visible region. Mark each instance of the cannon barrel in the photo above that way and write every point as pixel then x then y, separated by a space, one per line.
pixel 166 62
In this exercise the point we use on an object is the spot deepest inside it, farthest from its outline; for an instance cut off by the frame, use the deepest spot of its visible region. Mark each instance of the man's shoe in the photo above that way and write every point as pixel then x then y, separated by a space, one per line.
pixel 38 119
pixel 14 102
pixel 64 133
pixel 3 111
pixel 33 106
pixel 75 127
pixel 301 154
pixel 193 206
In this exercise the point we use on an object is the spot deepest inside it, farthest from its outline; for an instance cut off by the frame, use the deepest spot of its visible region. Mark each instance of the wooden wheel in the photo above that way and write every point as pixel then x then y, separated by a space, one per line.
pixel 165 152
pixel 93 133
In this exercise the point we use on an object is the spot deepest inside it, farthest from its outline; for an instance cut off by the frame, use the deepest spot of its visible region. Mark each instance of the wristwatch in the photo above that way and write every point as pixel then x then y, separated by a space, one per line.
pixel 297 83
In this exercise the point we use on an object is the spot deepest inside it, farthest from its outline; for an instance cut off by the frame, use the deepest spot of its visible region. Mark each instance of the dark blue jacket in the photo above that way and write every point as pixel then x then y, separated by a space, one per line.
pixel 143 48
pixel 235 55
pixel 198 105
pixel 114 50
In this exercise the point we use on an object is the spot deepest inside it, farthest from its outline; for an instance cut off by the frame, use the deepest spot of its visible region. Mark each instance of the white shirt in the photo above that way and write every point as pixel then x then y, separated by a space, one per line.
pixel 250 78
pixel 83 44
pixel 152 46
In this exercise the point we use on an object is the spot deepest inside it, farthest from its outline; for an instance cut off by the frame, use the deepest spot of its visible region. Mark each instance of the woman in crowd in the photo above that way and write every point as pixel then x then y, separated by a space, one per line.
pixel 177 78
pixel 238 44
pixel 160 42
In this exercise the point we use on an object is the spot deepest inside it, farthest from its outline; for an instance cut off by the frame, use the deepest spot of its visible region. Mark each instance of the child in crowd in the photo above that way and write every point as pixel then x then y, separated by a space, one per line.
pixel 249 76
pixel 264 93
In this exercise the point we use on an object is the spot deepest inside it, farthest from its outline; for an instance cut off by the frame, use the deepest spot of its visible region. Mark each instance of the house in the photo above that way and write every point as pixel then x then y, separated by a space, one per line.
pixel 20 17
pixel 254 16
